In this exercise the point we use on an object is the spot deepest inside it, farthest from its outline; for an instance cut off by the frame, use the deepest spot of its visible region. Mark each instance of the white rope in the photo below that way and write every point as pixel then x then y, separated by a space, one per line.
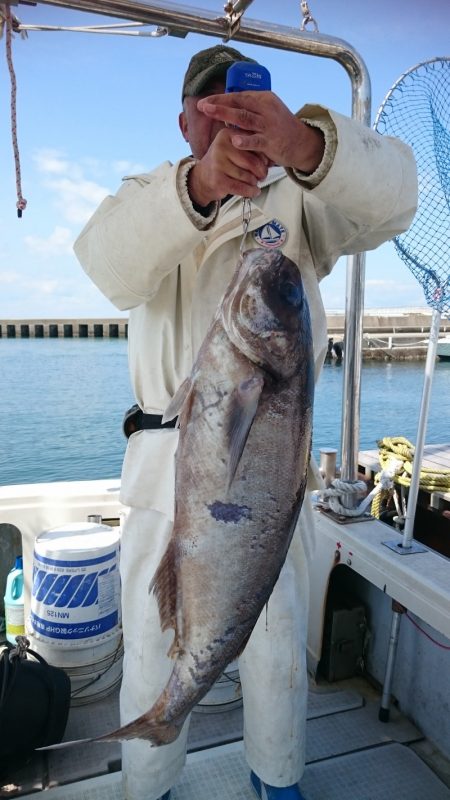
pixel 11 25
pixel 339 489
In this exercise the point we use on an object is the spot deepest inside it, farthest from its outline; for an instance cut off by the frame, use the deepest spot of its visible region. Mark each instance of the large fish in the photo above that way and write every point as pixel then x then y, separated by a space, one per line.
pixel 245 417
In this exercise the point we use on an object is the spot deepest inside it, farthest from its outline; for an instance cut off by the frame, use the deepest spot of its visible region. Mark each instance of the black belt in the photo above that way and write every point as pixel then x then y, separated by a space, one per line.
pixel 135 420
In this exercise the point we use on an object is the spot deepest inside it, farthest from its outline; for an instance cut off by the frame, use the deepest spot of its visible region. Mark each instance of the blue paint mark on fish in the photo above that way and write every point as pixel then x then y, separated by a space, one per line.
pixel 229 512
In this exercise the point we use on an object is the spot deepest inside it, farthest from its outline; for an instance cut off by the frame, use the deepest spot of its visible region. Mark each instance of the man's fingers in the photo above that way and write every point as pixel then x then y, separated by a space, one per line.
pixel 243 189
pixel 255 164
pixel 235 117
pixel 250 100
pixel 242 175
pixel 254 142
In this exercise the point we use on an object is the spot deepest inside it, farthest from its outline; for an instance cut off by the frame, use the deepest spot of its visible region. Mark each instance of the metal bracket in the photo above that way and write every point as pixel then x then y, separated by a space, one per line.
pixel 341 519
pixel 397 547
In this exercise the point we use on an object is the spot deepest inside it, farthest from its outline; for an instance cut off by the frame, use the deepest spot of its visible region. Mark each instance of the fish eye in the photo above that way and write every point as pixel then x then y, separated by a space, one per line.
pixel 292 293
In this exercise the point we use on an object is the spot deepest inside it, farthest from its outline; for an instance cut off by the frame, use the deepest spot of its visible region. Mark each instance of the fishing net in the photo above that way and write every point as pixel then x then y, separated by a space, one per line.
pixel 417 110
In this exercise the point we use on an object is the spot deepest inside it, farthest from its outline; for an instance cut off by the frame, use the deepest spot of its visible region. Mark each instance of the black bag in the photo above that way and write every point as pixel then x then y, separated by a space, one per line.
pixel 34 701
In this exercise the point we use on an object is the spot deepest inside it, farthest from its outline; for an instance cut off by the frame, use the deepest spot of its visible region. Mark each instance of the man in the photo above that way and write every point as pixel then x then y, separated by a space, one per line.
pixel 165 247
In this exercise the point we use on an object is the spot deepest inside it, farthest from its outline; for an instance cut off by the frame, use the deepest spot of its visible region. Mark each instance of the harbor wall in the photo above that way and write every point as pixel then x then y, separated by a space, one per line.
pixel 63 328
pixel 388 334
pixel 376 321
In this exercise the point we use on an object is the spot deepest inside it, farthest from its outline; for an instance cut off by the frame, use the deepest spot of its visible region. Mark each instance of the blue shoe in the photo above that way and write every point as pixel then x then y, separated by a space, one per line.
pixel 266 792
pixel 165 796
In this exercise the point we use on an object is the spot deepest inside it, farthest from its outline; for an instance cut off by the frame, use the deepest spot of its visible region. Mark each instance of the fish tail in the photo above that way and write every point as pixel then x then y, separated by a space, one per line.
pixel 157 726
pixel 155 731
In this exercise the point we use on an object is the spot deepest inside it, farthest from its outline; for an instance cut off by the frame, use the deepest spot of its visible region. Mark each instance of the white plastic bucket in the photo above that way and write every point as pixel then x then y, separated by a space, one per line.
pixel 225 693
pixel 75 596
pixel 75 606
pixel 91 680
pixel 94 671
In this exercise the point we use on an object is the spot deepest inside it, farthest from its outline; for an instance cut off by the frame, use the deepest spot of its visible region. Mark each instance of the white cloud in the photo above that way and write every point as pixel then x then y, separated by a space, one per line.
pixel 60 242
pixel 124 167
pixel 77 199
pixel 45 286
pixel 9 278
pixel 380 283
pixel 52 161
pixel 75 195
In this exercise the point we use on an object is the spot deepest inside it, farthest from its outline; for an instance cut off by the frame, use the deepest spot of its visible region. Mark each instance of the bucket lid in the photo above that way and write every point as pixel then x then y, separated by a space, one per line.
pixel 77 537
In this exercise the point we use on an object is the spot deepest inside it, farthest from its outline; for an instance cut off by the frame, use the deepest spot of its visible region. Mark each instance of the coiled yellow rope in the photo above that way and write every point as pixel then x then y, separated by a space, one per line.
pixel 401 450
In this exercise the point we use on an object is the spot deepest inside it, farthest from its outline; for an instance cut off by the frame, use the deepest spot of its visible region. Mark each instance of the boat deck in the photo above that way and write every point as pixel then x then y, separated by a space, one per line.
pixel 349 753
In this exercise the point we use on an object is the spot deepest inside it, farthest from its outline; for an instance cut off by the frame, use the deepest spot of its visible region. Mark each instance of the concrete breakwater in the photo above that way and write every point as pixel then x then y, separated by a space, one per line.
pixel 388 334
pixel 63 328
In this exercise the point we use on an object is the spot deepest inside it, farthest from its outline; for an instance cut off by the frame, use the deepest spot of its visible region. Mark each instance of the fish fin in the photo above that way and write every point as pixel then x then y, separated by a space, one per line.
pixel 155 731
pixel 164 586
pixel 242 414
pixel 151 727
pixel 146 727
pixel 64 745
pixel 174 407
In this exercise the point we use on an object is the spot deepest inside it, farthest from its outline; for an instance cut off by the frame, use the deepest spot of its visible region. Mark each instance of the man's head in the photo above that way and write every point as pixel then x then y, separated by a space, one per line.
pixel 209 66
pixel 205 75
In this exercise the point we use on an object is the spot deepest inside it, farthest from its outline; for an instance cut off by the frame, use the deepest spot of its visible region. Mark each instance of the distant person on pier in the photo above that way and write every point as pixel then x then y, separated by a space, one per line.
pixel 165 247
pixel 335 351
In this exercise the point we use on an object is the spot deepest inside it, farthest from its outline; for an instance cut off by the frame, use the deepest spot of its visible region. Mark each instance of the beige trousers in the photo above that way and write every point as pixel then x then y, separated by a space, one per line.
pixel 272 668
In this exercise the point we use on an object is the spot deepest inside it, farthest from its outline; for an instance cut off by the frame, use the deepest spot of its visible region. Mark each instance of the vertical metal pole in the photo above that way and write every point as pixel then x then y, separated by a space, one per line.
pixel 421 432
pixel 397 611
pixel 354 311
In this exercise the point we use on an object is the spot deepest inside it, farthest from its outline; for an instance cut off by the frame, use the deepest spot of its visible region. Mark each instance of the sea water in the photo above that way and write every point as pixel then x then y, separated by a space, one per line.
pixel 62 402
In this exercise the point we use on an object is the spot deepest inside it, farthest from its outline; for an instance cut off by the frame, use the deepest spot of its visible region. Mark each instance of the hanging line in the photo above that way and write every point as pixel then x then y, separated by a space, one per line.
pixel 21 202
pixel 246 217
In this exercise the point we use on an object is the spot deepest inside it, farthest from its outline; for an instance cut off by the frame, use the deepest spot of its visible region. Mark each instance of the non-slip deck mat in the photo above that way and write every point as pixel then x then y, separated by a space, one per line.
pixel 206 730
pixel 388 772
pixel 354 730
pixel 324 702
pixel 338 722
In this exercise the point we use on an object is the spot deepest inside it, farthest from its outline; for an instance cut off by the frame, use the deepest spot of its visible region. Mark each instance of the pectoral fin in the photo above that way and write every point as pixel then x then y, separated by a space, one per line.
pixel 178 400
pixel 245 404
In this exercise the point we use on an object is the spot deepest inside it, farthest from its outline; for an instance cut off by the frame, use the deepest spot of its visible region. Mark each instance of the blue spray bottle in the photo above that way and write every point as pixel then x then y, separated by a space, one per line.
pixel 14 606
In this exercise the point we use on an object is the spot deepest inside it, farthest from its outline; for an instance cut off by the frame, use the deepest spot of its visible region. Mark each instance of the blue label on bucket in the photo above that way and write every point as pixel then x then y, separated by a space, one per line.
pixel 87 562
pixel 64 630
pixel 75 599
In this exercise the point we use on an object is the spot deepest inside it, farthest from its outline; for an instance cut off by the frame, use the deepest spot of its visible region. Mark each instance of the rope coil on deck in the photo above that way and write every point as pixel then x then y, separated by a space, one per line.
pixel 397 453
pixel 331 498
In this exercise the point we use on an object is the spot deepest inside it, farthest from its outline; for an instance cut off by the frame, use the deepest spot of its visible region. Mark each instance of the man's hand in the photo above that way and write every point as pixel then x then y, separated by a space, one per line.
pixel 226 170
pixel 268 127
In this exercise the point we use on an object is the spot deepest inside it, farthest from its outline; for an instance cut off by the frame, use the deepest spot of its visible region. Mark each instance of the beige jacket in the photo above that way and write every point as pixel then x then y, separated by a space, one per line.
pixel 146 254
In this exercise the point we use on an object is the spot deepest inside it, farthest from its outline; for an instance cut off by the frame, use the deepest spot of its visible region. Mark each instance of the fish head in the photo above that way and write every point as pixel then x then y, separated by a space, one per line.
pixel 265 312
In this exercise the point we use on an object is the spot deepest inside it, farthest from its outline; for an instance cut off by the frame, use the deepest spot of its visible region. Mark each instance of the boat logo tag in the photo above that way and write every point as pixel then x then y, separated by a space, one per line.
pixel 273 234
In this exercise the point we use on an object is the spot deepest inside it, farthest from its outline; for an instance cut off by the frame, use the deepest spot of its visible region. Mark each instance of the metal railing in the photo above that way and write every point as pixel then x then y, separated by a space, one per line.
pixel 178 20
